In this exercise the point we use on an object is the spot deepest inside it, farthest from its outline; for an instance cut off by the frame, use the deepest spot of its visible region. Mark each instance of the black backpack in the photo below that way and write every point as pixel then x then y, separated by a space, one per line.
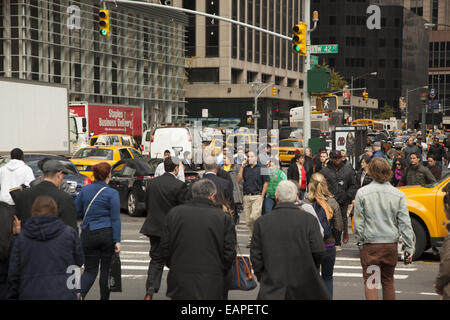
pixel 321 214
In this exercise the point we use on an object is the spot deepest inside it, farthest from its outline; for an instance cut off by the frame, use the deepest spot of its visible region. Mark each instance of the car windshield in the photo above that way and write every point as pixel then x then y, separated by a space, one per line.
pixel 433 185
pixel 93 153
pixel 291 144
pixel 67 164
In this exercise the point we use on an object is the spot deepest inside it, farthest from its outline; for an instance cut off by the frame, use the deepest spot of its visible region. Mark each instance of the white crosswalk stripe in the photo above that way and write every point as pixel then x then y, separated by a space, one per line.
pixel 345 267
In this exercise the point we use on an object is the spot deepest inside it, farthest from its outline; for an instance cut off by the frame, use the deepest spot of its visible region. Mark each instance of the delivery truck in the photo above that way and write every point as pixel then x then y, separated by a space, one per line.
pixel 34 116
pixel 93 119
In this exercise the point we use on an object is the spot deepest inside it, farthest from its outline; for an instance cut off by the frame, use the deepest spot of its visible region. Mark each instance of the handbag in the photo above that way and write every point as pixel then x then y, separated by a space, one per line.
pixel 242 273
pixel 115 274
pixel 90 203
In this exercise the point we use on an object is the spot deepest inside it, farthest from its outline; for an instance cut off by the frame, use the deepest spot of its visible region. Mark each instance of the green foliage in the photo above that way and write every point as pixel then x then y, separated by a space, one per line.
pixel 337 82
pixel 386 113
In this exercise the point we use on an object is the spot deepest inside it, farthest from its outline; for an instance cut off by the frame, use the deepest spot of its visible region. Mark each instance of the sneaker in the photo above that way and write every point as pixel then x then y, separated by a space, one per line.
pixel 338 248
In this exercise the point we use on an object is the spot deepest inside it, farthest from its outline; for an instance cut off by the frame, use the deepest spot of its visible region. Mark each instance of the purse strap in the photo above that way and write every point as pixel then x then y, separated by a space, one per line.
pixel 89 206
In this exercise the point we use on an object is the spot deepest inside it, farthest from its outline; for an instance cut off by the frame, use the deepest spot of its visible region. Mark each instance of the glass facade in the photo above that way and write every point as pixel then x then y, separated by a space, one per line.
pixel 141 63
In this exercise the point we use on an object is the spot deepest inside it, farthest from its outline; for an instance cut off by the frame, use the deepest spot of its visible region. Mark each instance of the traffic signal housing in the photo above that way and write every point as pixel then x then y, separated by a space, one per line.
pixel 103 22
pixel 274 91
pixel 365 96
pixel 299 38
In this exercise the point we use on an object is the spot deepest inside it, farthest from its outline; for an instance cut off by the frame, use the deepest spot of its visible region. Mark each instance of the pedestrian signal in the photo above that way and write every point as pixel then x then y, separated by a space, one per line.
pixel 299 38
pixel 103 22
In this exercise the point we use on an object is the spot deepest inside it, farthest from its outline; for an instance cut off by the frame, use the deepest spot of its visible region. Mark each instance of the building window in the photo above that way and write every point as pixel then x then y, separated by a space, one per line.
pixel 190 29
pixel 203 75
pixel 332 20
pixel 241 30
pixel 250 31
pixel 234 30
pixel 212 29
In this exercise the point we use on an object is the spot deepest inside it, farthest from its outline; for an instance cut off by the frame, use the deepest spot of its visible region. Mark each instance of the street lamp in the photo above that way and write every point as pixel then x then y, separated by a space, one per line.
pixel 351 90
pixel 407 102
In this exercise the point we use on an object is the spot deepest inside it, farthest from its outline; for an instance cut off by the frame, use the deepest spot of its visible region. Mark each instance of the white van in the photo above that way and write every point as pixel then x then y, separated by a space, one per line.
pixel 176 139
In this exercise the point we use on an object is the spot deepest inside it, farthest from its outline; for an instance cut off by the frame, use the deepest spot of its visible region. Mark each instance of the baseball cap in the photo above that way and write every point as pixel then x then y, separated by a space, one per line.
pixel 54 166
pixel 377 144
pixel 335 154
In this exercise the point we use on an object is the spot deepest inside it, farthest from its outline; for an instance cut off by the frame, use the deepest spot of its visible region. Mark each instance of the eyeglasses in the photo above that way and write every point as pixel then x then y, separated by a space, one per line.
pixel 398 164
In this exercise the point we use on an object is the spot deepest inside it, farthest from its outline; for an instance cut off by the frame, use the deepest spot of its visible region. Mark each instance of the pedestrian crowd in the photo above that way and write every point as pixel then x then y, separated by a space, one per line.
pixel 297 222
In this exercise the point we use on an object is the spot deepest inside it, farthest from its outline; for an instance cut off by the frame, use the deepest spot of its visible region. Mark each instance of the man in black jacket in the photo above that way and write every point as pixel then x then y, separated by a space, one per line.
pixel 163 193
pixel 342 185
pixel 437 150
pixel 53 177
pixel 223 186
pixel 286 251
pixel 199 246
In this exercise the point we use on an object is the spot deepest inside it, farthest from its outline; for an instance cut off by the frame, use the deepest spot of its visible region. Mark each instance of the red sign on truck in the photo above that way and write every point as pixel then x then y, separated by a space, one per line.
pixel 105 119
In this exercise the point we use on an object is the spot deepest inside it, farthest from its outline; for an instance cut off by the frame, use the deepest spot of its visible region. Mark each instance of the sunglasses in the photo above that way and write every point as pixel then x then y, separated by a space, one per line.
pixel 398 164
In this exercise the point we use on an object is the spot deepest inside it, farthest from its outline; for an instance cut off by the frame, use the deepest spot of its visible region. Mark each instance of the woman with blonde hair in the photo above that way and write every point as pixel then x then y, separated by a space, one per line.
pixel 329 214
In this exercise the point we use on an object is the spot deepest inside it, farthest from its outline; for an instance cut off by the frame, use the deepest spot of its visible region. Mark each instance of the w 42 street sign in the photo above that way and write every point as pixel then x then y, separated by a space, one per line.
pixel 325 48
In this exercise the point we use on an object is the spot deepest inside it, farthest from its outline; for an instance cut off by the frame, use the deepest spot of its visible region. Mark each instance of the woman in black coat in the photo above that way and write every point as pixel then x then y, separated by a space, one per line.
pixel 42 254
pixel 9 227
pixel 362 176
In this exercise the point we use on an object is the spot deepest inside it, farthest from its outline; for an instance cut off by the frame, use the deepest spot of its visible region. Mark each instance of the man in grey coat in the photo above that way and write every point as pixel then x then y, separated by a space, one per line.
pixel 286 250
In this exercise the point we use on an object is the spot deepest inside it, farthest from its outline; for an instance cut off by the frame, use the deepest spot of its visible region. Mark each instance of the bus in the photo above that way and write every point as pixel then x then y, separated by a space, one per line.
pixel 319 121
pixel 373 124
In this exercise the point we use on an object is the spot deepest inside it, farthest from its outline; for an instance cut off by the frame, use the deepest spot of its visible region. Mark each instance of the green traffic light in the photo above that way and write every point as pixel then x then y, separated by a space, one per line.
pixel 103 32
pixel 297 48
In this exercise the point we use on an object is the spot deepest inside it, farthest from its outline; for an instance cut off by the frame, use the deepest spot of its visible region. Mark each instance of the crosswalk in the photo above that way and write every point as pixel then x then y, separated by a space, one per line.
pixel 135 260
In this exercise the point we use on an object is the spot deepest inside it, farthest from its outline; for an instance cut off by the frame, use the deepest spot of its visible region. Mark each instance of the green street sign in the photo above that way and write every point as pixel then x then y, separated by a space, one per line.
pixel 325 48
pixel 314 60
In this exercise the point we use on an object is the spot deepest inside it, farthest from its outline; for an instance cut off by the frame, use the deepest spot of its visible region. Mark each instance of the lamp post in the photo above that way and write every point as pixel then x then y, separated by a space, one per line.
pixel 407 102
pixel 351 91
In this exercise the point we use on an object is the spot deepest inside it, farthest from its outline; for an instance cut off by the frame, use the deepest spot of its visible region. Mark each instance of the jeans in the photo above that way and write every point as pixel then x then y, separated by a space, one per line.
pixel 327 267
pixel 156 266
pixel 269 203
pixel 98 249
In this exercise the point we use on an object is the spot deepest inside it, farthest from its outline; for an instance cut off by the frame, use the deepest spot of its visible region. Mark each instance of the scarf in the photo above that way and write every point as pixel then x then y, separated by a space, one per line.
pixel 398 174
pixel 326 207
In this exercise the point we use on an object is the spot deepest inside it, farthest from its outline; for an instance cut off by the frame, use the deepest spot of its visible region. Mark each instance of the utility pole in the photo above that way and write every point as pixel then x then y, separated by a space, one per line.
pixel 257 93
pixel 306 97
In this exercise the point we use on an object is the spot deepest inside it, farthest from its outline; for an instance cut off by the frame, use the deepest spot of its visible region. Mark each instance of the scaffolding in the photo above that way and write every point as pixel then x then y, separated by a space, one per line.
pixel 140 64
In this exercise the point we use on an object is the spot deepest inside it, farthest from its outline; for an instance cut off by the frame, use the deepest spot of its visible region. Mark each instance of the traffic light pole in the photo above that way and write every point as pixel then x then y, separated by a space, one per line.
pixel 257 94
pixel 306 96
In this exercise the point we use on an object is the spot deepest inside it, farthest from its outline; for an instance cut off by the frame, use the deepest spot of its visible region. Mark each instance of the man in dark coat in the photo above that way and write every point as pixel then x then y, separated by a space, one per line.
pixel 163 193
pixel 286 250
pixel 342 185
pixel 199 246
pixel 53 177
pixel 224 186
pixel 438 151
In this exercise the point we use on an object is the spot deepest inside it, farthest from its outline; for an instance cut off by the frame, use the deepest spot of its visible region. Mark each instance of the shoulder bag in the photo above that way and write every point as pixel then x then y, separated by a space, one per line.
pixel 242 273
pixel 90 203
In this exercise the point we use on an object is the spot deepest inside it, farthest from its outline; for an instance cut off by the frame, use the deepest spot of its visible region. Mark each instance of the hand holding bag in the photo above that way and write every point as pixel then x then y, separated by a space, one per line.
pixel 242 273
pixel 115 274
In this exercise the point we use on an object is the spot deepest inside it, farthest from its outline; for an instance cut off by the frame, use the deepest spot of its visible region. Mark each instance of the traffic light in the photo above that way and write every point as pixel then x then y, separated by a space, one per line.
pixel 365 96
pixel 276 111
pixel 274 91
pixel 103 22
pixel 299 38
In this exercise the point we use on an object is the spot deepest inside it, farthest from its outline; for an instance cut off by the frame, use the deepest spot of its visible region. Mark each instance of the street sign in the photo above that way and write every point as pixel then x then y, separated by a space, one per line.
pixel 432 93
pixel 314 60
pixel 204 113
pixel 325 48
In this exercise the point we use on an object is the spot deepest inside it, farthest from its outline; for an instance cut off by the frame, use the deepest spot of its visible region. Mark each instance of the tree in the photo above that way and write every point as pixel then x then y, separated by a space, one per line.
pixel 386 113
pixel 337 81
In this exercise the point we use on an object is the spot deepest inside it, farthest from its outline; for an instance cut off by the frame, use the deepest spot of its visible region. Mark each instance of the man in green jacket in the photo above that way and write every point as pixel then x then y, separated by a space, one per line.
pixel 416 174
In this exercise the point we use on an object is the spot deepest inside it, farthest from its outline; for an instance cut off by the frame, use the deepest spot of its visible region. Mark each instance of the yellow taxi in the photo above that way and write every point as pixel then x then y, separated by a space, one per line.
pixel 213 145
pixel 426 209
pixel 288 147
pixel 245 139
pixel 112 140
pixel 85 158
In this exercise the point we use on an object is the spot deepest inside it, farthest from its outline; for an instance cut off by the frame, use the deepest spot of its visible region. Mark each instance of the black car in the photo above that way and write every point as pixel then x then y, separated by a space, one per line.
pixel 129 177
pixel 74 179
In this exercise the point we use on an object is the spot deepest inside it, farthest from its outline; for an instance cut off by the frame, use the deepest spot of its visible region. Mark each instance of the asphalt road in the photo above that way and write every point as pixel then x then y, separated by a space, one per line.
pixel 412 282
